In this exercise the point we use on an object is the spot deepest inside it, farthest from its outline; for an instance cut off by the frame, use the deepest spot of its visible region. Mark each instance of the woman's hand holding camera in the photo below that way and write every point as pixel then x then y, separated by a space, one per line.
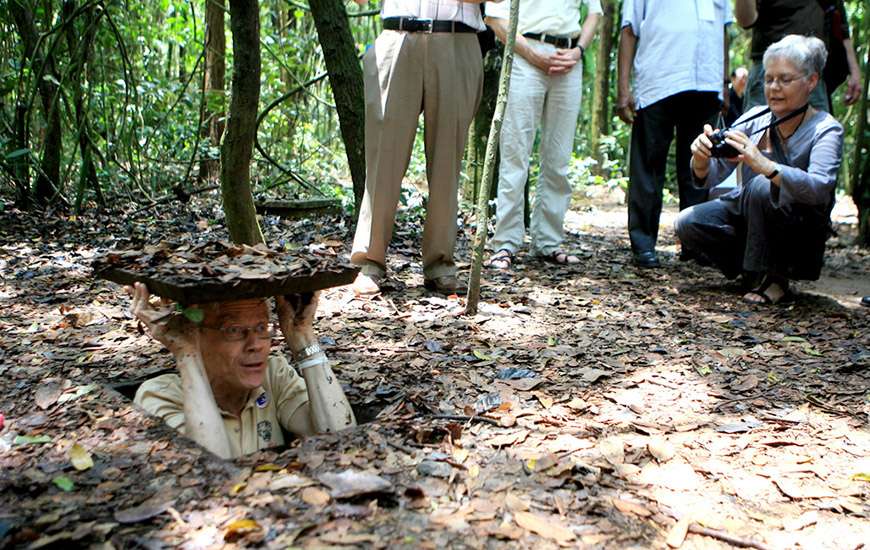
pixel 749 153
pixel 701 152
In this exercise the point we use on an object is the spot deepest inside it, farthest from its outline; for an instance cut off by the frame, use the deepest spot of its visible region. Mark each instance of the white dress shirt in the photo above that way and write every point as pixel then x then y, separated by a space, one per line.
pixel 680 46
pixel 444 10
pixel 556 17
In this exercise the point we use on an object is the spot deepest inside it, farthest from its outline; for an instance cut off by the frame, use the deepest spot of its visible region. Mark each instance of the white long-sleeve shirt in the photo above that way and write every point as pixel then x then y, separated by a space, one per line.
pixel 555 17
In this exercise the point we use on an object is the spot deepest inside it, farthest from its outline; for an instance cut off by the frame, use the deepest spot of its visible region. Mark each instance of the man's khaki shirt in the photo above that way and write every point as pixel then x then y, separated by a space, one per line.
pixel 269 407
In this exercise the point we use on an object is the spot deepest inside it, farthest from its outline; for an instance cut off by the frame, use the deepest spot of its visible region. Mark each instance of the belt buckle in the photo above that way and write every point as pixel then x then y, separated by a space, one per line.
pixel 421 24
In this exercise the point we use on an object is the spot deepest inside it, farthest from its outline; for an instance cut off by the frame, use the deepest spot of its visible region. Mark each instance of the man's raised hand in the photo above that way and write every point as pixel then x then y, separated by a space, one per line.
pixel 296 318
pixel 171 329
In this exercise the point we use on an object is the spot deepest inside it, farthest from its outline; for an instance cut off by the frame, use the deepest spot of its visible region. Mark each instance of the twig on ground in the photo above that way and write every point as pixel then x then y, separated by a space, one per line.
pixel 726 537
pixel 736 399
pixel 464 418
pixel 403 448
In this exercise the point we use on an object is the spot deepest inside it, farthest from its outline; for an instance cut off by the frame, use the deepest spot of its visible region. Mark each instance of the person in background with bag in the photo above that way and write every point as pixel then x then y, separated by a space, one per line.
pixel 679 58
pixel 842 65
pixel 770 20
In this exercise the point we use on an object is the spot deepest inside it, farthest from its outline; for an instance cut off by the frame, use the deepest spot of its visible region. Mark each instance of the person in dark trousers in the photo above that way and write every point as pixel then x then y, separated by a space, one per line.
pixel 679 61
pixel 842 65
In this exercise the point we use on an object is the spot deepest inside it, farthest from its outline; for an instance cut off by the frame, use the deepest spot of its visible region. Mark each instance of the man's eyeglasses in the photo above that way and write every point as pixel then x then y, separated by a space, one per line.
pixel 237 333
pixel 783 81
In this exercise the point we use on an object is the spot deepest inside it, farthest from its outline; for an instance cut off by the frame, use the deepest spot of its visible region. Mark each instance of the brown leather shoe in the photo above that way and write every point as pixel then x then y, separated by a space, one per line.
pixel 366 285
pixel 447 284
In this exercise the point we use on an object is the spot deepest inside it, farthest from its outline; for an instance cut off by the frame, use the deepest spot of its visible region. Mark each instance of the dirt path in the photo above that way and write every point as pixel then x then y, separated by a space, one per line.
pixel 638 399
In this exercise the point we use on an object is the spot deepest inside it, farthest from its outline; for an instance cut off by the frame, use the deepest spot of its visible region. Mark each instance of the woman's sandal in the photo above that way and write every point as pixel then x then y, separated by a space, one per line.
pixel 771 292
pixel 561 257
pixel 502 260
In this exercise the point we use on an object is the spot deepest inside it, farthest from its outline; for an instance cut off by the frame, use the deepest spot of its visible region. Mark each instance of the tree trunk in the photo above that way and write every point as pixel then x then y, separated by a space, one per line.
pixel 214 84
pixel 600 123
pixel 21 164
pixel 346 79
pixel 238 142
pixel 48 180
pixel 489 163
pixel 80 45
pixel 860 188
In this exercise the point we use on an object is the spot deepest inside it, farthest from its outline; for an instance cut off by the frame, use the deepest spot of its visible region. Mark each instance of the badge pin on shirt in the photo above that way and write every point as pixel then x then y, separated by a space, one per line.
pixel 262 400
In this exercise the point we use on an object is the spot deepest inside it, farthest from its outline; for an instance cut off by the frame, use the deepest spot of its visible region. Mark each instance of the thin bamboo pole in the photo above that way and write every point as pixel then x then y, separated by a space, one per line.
pixel 489 163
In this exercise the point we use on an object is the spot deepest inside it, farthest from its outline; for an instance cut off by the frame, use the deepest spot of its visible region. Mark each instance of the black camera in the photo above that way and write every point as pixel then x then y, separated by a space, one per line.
pixel 721 149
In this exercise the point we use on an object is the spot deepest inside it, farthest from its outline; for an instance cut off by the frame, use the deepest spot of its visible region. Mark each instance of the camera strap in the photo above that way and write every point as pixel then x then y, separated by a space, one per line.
pixel 776 122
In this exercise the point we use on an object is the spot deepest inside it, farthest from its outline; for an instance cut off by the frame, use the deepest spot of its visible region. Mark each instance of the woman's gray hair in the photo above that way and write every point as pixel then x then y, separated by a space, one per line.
pixel 807 53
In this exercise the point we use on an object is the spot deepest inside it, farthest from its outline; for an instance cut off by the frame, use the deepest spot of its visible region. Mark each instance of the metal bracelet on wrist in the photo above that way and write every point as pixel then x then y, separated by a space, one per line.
pixel 307 352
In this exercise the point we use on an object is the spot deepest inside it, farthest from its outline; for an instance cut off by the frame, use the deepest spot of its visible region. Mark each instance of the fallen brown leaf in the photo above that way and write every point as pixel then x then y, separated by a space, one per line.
pixel 547 527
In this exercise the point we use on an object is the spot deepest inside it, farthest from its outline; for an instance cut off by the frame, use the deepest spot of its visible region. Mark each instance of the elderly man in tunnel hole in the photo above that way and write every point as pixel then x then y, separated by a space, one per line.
pixel 231 396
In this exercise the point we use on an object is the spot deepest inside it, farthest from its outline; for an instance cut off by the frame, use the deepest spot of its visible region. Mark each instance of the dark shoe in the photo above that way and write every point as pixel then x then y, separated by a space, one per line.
pixel 687 255
pixel 447 284
pixel 865 301
pixel 647 259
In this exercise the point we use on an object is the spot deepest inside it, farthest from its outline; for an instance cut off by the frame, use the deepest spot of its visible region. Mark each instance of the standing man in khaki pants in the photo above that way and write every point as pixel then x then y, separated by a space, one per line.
pixel 426 59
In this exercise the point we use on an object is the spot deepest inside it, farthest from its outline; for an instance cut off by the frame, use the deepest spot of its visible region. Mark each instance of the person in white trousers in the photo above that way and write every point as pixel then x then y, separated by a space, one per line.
pixel 545 92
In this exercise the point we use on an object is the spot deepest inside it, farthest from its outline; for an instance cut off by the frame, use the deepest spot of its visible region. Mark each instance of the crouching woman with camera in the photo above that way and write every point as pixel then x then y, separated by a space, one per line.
pixel 773 226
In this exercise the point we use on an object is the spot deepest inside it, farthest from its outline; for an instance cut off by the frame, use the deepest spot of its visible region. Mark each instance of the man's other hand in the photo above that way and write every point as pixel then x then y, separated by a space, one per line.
pixel 361 2
pixel 853 89
pixel 625 107
pixel 171 329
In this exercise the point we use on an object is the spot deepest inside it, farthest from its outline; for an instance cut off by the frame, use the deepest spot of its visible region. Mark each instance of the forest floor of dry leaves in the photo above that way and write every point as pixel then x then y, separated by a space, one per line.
pixel 595 405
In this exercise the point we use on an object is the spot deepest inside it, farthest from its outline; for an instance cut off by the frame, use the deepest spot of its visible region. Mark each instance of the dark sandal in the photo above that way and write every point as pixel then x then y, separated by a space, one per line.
pixel 764 297
pixel 560 257
pixel 501 260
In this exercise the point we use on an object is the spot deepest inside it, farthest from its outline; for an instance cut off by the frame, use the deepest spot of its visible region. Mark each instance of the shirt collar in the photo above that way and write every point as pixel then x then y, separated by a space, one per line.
pixel 257 398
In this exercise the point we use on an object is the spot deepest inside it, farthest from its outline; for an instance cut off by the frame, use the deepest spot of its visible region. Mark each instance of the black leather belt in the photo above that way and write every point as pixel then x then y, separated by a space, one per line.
pixel 414 24
pixel 558 41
